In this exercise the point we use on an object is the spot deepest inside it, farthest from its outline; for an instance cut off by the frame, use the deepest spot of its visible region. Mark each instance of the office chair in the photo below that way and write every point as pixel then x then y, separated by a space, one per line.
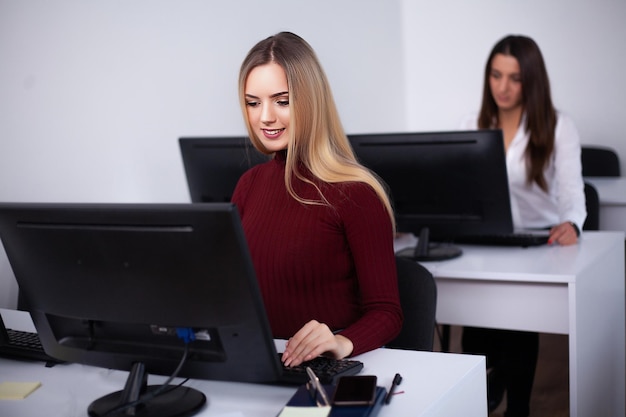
pixel 599 161
pixel 592 202
pixel 418 297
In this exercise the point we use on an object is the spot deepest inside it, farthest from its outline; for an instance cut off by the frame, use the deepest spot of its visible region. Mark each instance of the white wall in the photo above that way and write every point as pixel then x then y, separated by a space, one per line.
pixel 93 95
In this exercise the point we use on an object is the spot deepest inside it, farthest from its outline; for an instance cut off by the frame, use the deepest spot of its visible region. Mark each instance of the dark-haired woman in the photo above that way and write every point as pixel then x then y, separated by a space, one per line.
pixel 546 191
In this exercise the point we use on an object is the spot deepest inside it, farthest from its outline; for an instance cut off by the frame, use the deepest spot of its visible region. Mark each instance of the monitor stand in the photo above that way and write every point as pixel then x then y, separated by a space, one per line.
pixel 173 401
pixel 427 251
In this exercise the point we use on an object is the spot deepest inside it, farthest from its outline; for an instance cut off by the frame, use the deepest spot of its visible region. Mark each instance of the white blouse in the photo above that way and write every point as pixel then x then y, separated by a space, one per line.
pixel 565 200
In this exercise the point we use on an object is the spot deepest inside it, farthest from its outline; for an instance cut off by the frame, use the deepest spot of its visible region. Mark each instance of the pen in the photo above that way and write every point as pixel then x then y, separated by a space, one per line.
pixel 318 386
pixel 396 381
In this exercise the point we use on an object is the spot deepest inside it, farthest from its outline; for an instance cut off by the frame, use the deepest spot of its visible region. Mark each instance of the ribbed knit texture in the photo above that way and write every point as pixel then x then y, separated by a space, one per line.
pixel 332 264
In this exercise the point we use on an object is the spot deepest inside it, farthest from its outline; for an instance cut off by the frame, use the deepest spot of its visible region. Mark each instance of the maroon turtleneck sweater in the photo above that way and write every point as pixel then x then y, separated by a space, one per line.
pixel 332 264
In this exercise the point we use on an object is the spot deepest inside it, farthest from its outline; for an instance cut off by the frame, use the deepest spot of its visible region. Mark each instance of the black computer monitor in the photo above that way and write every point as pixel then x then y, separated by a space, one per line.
pixel 443 184
pixel 213 165
pixel 122 286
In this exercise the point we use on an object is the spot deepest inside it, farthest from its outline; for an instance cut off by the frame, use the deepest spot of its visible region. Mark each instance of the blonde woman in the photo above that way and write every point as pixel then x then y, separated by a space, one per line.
pixel 319 225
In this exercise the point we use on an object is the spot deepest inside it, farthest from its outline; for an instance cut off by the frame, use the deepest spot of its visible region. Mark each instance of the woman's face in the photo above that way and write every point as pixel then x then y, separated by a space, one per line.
pixel 505 82
pixel 267 105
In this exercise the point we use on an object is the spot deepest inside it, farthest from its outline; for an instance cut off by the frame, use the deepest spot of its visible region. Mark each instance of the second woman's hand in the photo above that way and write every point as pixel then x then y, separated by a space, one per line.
pixel 564 234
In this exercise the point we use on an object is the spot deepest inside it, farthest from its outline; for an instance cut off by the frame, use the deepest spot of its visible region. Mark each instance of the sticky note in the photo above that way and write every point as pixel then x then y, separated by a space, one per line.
pixel 289 411
pixel 17 390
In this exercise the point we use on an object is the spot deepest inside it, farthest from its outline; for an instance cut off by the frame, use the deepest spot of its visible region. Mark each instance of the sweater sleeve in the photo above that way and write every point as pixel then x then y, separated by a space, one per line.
pixel 241 190
pixel 369 233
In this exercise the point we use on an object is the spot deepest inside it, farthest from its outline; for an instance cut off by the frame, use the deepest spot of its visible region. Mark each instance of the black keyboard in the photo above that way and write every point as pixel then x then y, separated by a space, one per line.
pixel 26 345
pixel 328 370
pixel 514 239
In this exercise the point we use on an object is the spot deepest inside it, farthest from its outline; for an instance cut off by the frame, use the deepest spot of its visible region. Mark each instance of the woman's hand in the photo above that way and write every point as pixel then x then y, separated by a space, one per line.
pixel 312 340
pixel 563 234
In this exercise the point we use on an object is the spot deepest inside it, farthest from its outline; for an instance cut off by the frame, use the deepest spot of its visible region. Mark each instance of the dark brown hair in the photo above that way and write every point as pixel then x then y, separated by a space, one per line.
pixel 536 102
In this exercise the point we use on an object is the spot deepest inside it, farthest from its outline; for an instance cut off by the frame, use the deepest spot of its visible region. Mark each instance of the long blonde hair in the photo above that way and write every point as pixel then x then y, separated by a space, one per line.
pixel 317 139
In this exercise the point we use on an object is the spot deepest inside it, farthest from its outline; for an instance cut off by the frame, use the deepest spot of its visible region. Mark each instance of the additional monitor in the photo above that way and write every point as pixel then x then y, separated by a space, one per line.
pixel 213 165
pixel 122 286
pixel 443 184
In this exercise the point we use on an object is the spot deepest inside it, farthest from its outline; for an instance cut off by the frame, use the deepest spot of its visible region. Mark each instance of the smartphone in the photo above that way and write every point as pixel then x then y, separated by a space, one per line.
pixel 355 390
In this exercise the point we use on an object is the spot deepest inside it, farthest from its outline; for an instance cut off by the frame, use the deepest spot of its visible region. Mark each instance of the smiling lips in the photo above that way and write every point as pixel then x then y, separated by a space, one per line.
pixel 272 133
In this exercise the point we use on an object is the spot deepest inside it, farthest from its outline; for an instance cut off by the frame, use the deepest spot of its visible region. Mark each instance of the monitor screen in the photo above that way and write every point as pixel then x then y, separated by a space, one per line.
pixel 213 165
pixel 130 286
pixel 449 184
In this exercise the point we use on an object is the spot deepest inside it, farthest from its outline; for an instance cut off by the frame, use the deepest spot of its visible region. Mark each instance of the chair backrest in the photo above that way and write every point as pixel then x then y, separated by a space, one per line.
pixel 418 297
pixel 599 161
pixel 592 202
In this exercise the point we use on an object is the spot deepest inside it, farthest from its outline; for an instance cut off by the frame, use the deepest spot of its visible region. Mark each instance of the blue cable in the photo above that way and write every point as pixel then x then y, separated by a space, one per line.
pixel 186 333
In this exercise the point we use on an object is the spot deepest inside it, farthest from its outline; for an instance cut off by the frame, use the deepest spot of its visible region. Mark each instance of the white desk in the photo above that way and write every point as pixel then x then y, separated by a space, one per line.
pixel 612 193
pixel 576 290
pixel 434 384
